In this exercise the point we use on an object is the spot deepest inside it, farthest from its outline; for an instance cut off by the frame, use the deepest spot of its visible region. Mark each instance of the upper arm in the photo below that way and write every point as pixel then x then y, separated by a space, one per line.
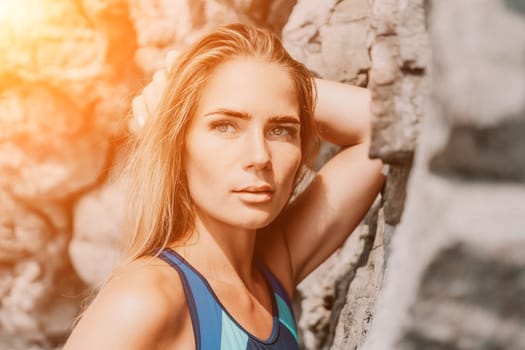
pixel 130 312
pixel 334 203
pixel 319 220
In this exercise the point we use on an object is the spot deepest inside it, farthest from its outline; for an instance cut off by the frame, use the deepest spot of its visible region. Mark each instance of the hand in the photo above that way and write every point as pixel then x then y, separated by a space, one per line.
pixel 145 104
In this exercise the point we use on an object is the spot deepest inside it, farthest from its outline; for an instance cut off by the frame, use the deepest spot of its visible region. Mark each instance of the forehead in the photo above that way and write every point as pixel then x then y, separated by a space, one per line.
pixel 250 85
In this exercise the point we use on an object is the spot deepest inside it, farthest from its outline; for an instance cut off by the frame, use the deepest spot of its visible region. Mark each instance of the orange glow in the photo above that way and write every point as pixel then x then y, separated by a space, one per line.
pixel 18 19
pixel 42 40
pixel 21 13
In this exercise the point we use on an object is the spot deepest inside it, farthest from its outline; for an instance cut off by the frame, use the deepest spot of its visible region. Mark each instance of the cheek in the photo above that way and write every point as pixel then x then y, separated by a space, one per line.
pixel 202 185
pixel 292 162
pixel 198 154
pixel 198 168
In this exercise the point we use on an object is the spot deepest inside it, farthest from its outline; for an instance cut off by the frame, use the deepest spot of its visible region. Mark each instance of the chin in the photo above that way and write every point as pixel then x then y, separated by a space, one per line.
pixel 253 224
pixel 254 220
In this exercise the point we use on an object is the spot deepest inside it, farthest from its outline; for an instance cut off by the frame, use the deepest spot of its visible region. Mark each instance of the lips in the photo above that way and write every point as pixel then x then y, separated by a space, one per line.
pixel 255 193
pixel 256 189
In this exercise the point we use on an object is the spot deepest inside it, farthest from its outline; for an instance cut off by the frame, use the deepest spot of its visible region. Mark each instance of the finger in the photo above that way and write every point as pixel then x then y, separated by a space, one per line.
pixel 160 79
pixel 139 109
pixel 151 96
pixel 171 57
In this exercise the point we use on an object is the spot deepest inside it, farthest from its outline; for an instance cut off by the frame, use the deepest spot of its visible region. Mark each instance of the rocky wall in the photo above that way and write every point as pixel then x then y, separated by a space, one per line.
pixel 66 70
pixel 456 274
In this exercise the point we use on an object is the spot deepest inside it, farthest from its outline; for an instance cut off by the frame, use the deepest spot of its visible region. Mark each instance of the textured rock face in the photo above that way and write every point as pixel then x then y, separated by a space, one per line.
pixel 98 221
pixel 330 38
pixel 485 284
pixel 399 53
pixel 322 297
pixel 38 288
pixel 65 77
pixel 399 50
pixel 455 277
pixel 357 314
pixel 47 131
pixel 175 24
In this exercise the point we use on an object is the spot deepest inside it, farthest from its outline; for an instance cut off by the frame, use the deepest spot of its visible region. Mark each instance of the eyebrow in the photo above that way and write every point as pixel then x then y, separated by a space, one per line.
pixel 246 116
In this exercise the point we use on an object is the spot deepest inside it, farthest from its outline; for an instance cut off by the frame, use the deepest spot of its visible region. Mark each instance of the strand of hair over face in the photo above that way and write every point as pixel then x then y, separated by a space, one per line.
pixel 160 207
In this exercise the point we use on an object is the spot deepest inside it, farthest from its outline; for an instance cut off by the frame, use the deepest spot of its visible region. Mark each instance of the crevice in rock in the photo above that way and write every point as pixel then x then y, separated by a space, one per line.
pixel 408 69
pixel 33 208
pixel 343 285
pixel 315 39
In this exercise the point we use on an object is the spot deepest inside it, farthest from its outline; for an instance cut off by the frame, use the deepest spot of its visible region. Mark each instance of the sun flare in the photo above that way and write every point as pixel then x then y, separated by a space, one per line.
pixel 20 15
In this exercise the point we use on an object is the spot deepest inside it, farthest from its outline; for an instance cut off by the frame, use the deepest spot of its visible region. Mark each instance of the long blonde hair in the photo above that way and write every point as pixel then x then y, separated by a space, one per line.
pixel 160 207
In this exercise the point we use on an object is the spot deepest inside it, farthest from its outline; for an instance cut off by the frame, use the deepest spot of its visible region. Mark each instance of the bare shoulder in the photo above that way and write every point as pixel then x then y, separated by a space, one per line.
pixel 141 307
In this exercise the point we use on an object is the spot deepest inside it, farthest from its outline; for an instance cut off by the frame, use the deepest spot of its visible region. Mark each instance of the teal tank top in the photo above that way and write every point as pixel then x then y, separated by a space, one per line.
pixel 213 326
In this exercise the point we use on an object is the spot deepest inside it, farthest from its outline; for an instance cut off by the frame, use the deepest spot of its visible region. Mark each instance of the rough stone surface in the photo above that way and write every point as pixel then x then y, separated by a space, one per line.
pixel 482 282
pixel 455 274
pixel 322 295
pixel 486 142
pixel 399 82
pixel 330 38
pixel 457 214
pixel 39 292
pixel 357 313
pixel 172 25
pixel 395 192
pixel 66 77
pixel 45 133
pixel 98 222
pixel 399 51
pixel 22 231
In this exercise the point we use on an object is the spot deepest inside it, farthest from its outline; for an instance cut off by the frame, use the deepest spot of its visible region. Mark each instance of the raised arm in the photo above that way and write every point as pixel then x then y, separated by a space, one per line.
pixel 343 113
pixel 321 218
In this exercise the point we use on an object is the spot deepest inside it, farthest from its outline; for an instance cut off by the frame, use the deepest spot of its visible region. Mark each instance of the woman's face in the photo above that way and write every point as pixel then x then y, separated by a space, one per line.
pixel 243 146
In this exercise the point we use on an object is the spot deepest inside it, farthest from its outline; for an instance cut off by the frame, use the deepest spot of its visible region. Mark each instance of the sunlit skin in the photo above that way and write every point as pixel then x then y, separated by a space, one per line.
pixel 243 147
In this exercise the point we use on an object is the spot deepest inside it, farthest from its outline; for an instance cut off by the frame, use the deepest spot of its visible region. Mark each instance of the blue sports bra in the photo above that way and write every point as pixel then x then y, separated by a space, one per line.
pixel 213 326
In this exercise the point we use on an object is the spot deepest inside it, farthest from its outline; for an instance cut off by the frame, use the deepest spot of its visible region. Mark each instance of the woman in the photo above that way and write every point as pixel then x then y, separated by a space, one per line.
pixel 216 248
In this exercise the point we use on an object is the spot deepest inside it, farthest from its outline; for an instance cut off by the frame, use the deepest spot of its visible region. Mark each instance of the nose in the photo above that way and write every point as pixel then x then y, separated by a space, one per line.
pixel 258 154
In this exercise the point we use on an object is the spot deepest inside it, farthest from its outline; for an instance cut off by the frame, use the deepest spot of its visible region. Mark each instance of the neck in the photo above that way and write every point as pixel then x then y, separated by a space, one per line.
pixel 218 249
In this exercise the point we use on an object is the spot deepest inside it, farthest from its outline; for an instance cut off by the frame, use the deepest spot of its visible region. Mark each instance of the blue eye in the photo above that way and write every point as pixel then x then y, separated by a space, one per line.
pixel 223 127
pixel 279 131
pixel 282 131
